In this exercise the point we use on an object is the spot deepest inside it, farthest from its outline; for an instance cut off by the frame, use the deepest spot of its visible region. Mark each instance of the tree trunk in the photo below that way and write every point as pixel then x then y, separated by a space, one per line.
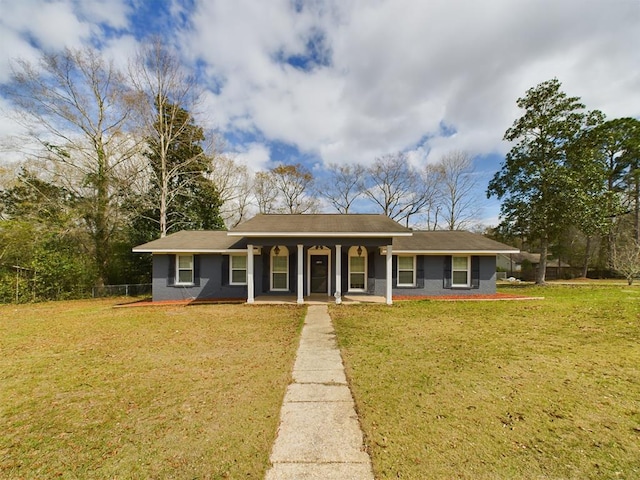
pixel 587 256
pixel 542 266
pixel 636 219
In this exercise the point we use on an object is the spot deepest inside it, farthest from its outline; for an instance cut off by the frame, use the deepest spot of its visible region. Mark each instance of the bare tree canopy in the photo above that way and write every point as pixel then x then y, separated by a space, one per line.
pixel 233 184
pixel 78 108
pixel 343 185
pixel 396 187
pixel 285 189
pixel 626 259
pixel 456 180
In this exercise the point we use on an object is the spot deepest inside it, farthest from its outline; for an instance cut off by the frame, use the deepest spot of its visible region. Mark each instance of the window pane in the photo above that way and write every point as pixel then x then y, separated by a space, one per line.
pixel 459 278
pixel 405 278
pixel 239 262
pixel 405 263
pixel 357 264
pixel 357 280
pixel 239 276
pixel 185 261
pixel 279 264
pixel 459 263
pixel 184 276
pixel 280 280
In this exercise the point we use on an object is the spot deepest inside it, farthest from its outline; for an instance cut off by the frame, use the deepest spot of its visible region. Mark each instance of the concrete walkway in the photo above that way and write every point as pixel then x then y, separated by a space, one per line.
pixel 319 435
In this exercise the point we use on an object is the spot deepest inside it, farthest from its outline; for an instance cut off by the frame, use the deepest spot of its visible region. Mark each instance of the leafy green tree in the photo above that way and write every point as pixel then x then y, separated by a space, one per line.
pixel 178 153
pixel 42 245
pixel 181 195
pixel 536 183
pixel 611 148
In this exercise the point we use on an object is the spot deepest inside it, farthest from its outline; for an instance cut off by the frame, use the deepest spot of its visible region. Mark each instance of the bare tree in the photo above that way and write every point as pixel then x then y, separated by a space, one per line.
pixel 265 192
pixel 397 188
pixel 626 260
pixel 285 189
pixel 233 183
pixel 76 106
pixel 457 184
pixel 168 97
pixel 432 209
pixel 343 185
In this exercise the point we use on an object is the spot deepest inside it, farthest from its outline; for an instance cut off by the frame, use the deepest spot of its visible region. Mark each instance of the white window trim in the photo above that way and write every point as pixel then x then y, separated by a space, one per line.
pixel 284 251
pixel 178 269
pixel 353 253
pixel 413 270
pixel 231 270
pixel 468 270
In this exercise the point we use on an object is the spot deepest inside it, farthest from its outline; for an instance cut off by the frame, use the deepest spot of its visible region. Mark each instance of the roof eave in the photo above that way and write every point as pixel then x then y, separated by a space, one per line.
pixel 453 252
pixel 321 234
pixel 188 250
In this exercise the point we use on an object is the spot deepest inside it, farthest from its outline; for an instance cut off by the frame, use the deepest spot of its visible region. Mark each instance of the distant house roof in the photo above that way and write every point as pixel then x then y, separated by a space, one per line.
pixel 520 257
pixel 449 241
pixel 311 225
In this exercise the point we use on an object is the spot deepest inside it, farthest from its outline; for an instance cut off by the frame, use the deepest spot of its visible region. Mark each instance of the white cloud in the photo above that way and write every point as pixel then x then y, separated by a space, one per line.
pixel 400 68
pixel 28 27
pixel 391 73
pixel 255 155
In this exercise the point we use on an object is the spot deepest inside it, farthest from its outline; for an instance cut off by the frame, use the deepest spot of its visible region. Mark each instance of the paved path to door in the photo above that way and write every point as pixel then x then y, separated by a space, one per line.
pixel 319 435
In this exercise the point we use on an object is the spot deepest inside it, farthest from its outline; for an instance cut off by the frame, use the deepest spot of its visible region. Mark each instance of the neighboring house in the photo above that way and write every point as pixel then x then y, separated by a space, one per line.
pixel 325 254
pixel 512 264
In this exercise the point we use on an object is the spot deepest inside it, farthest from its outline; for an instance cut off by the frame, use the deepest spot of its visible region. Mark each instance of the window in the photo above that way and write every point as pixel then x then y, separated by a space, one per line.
pixel 279 268
pixel 406 271
pixel 460 271
pixel 238 269
pixel 184 267
pixel 357 269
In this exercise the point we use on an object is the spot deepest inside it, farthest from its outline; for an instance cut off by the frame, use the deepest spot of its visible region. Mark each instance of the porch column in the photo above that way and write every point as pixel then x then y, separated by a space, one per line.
pixel 250 286
pixel 300 275
pixel 338 269
pixel 389 275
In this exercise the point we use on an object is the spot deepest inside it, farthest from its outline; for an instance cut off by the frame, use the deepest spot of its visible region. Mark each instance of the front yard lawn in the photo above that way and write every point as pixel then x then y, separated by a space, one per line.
pixel 542 389
pixel 89 391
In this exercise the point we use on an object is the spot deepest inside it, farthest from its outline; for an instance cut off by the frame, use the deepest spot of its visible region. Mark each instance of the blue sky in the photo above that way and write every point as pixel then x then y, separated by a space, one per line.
pixel 323 81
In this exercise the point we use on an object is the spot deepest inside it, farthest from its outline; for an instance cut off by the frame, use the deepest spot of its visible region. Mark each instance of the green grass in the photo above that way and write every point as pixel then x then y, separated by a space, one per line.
pixel 89 391
pixel 544 389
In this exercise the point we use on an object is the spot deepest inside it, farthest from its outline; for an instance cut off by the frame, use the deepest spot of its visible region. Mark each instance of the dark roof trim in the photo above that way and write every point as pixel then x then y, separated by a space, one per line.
pixel 321 234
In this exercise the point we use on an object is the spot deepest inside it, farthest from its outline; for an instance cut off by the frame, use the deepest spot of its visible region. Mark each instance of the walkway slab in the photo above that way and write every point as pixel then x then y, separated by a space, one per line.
pixel 314 392
pixel 322 432
pixel 319 435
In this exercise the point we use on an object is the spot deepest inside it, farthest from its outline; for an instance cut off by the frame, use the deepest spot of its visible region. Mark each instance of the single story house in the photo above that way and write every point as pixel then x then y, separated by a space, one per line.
pixel 513 263
pixel 321 254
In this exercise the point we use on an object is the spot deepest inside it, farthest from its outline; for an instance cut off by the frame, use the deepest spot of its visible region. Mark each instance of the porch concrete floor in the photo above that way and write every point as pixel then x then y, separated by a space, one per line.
pixel 319 299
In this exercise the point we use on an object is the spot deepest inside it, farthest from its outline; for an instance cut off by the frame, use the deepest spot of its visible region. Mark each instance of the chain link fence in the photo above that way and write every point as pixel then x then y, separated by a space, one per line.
pixel 127 290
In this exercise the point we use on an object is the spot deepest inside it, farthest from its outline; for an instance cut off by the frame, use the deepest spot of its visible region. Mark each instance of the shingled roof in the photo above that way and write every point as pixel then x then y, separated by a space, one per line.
pixel 326 225
pixel 190 241
pixel 449 241
pixel 366 225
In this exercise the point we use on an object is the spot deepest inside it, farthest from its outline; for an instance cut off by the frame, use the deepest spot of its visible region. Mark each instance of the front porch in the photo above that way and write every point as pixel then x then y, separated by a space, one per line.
pixel 314 269
pixel 318 299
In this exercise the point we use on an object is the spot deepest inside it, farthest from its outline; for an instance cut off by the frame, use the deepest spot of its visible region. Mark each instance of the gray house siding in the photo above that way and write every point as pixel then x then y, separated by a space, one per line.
pixel 430 276
pixel 213 279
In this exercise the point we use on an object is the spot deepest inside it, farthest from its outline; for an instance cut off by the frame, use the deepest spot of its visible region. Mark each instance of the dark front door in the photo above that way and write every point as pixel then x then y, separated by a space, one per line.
pixel 319 273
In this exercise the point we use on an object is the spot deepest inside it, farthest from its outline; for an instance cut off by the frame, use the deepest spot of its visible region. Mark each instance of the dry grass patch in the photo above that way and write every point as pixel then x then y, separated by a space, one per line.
pixel 88 391
pixel 546 389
